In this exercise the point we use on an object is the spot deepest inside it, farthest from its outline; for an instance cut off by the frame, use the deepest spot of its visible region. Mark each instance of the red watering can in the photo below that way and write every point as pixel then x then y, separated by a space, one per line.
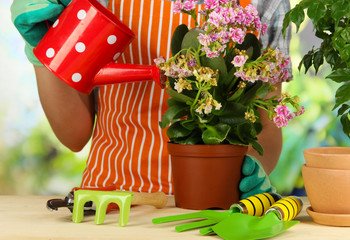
pixel 82 45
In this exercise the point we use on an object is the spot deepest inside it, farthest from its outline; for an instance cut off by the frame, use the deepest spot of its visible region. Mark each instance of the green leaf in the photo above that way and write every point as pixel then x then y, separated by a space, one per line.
pixel 316 11
pixel 263 90
pixel 232 113
pixel 176 39
pixel 252 44
pixel 345 34
pixel 174 112
pixel 190 39
pixel 338 10
pixel 215 63
pixel 176 130
pixel 188 124
pixel 342 95
pixel 236 95
pixel 179 97
pixel 317 60
pixel 286 22
pixel 256 145
pixel 340 75
pixel 215 134
pixel 233 138
pixel 194 138
pixel 307 61
pixel 297 16
pixel 345 121
pixel 251 93
pixel 342 109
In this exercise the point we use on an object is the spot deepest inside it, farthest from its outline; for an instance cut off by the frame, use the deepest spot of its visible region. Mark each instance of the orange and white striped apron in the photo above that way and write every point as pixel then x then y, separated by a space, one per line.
pixel 128 147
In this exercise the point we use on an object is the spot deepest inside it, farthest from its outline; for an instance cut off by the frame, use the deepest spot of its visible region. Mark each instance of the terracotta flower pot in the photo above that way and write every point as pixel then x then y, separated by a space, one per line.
pixel 326 176
pixel 328 157
pixel 206 176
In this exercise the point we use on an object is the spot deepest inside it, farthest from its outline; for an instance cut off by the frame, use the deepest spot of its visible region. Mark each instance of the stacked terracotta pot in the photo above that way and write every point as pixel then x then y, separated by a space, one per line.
pixel 326 175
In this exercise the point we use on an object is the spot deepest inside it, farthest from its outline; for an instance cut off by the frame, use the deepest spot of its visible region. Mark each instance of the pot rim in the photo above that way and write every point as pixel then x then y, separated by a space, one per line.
pixel 330 170
pixel 326 151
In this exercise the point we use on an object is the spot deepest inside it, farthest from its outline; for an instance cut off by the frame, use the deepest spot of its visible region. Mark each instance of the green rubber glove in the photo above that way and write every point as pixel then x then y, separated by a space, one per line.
pixel 254 179
pixel 30 18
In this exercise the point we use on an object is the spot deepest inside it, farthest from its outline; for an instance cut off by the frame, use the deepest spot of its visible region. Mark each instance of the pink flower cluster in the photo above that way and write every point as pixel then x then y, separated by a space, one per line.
pixel 269 67
pixel 186 5
pixel 225 22
pixel 283 115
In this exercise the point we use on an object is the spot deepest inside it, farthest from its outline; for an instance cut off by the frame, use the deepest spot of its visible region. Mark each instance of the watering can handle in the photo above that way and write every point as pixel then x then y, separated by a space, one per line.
pixel 287 208
pixel 158 199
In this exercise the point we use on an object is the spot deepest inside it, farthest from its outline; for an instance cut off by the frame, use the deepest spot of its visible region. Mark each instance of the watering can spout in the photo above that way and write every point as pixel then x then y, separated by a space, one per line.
pixel 114 73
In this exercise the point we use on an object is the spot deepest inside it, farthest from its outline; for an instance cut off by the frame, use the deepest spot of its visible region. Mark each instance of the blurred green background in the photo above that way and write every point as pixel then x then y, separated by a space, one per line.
pixel 32 161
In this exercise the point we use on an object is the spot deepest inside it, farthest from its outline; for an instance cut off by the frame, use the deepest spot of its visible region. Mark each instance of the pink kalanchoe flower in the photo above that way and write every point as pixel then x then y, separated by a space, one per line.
pixel 251 9
pixel 189 5
pixel 237 35
pixel 239 16
pixel 239 60
pixel 204 39
pixel 211 4
pixel 159 61
pixel 215 18
pixel 302 110
pixel 280 121
pixel 263 29
pixel 177 7
pixel 239 74
pixel 223 37
pixel 282 110
pixel 223 2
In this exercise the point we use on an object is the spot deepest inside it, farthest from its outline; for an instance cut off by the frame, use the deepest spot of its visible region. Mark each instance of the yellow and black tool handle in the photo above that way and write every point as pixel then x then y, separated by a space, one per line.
pixel 256 205
pixel 287 208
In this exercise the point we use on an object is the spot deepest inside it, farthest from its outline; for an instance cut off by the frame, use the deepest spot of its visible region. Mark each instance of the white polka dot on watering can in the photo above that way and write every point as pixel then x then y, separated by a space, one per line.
pixel 116 56
pixel 50 52
pixel 80 47
pixel 55 23
pixel 111 39
pixel 81 14
pixel 76 77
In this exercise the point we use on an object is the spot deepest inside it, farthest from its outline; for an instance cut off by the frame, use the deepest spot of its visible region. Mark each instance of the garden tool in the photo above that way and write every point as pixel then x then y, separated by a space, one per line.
pixel 123 199
pixel 68 201
pixel 82 45
pixel 255 205
pixel 276 220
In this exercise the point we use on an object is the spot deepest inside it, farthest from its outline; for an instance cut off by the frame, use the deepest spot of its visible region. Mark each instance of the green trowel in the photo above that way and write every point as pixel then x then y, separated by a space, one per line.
pixel 244 227
pixel 255 205
pixel 244 224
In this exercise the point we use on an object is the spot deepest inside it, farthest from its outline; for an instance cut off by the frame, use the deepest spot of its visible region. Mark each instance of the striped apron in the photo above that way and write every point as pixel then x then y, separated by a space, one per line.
pixel 128 147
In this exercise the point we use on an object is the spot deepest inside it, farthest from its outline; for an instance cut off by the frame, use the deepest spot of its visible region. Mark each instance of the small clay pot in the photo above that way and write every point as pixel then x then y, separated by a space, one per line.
pixel 328 157
pixel 327 189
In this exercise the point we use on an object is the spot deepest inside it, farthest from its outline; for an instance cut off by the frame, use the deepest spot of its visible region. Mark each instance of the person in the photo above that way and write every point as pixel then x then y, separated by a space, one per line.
pixel 128 147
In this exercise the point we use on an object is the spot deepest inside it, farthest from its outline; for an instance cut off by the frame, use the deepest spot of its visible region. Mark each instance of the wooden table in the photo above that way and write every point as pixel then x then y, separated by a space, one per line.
pixel 26 217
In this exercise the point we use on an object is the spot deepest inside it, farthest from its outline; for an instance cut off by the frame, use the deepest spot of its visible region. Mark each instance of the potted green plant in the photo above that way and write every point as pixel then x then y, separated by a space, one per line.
pixel 218 77
pixel 328 194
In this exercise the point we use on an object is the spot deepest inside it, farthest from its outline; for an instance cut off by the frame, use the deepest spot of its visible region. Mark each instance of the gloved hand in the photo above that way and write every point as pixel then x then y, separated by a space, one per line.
pixel 30 18
pixel 254 179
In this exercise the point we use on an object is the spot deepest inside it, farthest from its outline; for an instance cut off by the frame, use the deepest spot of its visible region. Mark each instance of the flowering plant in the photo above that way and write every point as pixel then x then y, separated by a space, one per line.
pixel 218 77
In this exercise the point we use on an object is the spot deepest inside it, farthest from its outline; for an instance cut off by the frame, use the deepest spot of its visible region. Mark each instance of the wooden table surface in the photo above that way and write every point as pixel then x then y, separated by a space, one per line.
pixel 26 217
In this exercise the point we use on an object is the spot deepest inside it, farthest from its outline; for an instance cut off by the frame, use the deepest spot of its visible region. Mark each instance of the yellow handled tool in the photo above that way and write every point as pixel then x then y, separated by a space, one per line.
pixel 287 208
